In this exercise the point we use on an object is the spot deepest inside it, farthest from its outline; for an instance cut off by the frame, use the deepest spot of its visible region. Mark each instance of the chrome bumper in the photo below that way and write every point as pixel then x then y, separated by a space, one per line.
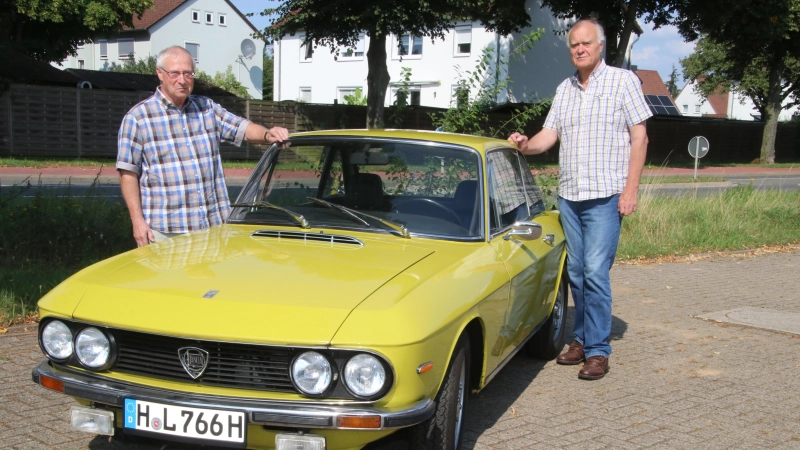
pixel 260 412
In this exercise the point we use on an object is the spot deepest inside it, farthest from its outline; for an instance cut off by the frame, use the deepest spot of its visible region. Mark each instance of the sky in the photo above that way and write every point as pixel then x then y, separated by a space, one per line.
pixel 661 49
pixel 656 49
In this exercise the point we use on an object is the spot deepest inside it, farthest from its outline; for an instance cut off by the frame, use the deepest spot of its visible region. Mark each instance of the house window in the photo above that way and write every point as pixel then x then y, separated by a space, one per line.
pixel 463 43
pixel 125 48
pixel 306 50
pixel 685 109
pixel 194 50
pixel 195 16
pixel 413 95
pixel 305 95
pixel 209 18
pixel 356 52
pixel 342 92
pixel 459 96
pixel 103 49
pixel 697 108
pixel 223 20
pixel 81 64
pixel 408 45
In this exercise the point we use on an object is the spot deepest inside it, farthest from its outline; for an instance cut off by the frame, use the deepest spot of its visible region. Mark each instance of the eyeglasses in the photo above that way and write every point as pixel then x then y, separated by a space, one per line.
pixel 174 74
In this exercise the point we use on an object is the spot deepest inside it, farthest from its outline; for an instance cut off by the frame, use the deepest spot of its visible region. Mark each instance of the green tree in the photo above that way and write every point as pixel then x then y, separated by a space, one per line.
pixel 334 23
pixel 753 35
pixel 672 83
pixel 144 66
pixel 267 86
pixel 226 81
pixel 619 19
pixel 51 30
pixel 711 66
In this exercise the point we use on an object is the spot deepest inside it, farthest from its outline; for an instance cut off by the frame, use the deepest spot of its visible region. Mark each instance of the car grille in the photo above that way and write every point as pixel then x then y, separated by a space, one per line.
pixel 230 365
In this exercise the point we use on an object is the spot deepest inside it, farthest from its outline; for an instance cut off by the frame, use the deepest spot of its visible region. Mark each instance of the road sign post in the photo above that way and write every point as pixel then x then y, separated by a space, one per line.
pixel 698 147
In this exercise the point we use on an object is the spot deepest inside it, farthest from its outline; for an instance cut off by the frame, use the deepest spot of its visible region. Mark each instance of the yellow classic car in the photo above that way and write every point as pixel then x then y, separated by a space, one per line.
pixel 365 282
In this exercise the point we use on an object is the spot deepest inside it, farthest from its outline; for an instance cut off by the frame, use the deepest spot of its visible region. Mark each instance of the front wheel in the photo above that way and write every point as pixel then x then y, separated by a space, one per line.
pixel 548 342
pixel 443 430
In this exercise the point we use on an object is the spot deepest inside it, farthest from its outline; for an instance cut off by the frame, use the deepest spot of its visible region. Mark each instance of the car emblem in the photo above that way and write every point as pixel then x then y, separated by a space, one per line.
pixel 194 360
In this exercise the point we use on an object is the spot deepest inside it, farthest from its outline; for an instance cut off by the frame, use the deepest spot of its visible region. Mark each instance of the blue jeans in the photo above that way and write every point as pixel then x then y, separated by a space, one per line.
pixel 592 230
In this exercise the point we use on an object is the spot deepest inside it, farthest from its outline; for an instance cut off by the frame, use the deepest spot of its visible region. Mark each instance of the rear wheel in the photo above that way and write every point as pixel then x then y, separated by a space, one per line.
pixel 443 430
pixel 548 342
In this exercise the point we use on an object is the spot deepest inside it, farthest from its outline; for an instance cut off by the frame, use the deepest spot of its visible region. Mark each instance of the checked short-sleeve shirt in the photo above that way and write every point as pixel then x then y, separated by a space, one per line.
pixel 175 152
pixel 592 126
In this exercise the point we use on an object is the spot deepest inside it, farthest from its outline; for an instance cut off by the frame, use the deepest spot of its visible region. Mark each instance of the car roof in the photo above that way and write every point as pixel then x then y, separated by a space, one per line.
pixel 477 142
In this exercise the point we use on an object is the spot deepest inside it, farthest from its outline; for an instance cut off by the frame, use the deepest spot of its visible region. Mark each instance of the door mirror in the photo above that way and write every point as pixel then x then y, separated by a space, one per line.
pixel 524 231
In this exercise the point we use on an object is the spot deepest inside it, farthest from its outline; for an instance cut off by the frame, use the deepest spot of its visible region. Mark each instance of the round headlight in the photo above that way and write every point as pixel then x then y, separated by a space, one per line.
pixel 57 340
pixel 364 375
pixel 92 348
pixel 311 373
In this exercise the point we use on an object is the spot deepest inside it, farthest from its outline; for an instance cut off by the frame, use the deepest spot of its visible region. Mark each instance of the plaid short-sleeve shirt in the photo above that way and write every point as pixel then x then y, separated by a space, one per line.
pixel 175 152
pixel 592 127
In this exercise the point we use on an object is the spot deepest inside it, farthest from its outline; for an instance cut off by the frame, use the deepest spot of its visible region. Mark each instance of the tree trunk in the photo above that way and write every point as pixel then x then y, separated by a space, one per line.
pixel 773 111
pixel 377 80
pixel 625 35
pixel 612 41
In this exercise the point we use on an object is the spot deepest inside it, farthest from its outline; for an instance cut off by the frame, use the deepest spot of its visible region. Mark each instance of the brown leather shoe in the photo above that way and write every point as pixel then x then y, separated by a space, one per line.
pixel 574 355
pixel 596 367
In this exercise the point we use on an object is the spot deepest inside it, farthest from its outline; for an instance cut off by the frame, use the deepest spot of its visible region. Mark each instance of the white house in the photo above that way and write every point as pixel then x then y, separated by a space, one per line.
pixel 729 105
pixel 314 75
pixel 213 31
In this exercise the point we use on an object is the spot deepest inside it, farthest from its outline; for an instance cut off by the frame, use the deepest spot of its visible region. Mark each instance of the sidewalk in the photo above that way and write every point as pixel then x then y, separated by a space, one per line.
pixel 105 175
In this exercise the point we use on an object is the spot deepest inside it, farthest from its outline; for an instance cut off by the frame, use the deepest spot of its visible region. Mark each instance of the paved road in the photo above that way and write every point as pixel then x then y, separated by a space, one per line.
pixel 676 381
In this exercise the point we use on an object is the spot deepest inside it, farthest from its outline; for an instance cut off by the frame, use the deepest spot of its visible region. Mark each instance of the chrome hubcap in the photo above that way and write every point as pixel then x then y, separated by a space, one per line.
pixel 558 310
pixel 460 395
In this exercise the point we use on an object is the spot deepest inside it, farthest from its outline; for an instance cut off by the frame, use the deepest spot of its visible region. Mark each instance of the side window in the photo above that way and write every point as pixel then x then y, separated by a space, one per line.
pixel 513 195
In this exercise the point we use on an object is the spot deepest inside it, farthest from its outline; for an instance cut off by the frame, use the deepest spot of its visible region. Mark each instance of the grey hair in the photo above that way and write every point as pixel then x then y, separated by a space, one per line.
pixel 601 35
pixel 173 52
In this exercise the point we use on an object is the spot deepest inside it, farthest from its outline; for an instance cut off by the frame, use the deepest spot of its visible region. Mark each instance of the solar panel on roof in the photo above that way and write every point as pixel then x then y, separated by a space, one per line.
pixel 673 111
pixel 665 100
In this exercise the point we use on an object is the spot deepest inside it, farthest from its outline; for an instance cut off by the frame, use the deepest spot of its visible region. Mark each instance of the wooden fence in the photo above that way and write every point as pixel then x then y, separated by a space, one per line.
pixel 71 122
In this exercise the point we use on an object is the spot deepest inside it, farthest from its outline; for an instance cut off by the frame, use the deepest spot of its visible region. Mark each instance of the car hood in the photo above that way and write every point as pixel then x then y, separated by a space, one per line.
pixel 225 284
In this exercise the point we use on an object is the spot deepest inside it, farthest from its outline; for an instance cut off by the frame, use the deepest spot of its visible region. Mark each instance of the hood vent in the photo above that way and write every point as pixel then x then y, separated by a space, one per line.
pixel 309 237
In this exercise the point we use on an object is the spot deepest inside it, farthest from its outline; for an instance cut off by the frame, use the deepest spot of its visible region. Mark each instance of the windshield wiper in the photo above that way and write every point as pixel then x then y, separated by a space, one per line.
pixel 297 217
pixel 399 229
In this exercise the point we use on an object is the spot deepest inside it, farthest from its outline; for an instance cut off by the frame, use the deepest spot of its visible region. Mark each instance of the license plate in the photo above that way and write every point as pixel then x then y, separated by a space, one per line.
pixel 198 423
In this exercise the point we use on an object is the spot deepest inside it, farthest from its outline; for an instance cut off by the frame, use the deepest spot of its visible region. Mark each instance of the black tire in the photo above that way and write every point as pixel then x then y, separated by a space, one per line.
pixel 548 342
pixel 443 431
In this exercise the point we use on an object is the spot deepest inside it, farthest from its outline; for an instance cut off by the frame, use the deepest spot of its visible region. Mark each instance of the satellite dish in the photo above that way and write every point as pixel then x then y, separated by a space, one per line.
pixel 248 48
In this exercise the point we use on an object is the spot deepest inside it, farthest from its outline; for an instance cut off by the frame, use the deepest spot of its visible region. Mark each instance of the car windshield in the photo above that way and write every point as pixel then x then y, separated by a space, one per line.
pixel 402 187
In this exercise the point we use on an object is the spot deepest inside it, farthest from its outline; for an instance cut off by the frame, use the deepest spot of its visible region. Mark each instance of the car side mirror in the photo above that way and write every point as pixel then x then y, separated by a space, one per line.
pixel 524 230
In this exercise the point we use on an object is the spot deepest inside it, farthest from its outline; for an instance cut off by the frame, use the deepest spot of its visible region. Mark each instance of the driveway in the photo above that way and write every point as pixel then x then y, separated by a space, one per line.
pixel 676 381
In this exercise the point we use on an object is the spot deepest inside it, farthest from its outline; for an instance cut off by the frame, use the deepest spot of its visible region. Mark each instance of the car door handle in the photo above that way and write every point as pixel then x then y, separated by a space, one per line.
pixel 549 239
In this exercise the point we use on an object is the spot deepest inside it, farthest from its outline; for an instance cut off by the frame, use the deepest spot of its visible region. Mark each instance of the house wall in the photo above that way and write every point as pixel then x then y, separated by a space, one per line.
pixel 538 72
pixel 220 46
pixel 535 74
pixel 433 73
pixel 739 106
pixel 90 52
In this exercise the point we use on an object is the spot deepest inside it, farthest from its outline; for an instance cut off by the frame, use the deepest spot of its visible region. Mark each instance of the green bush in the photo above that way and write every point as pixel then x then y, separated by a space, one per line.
pixel 47 237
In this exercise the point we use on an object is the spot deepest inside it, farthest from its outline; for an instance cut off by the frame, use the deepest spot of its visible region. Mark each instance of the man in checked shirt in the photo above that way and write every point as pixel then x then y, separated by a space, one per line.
pixel 598 115
pixel 168 154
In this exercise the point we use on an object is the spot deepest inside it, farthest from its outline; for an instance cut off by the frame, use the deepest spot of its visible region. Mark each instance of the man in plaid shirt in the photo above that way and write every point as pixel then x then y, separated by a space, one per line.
pixel 168 154
pixel 599 116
